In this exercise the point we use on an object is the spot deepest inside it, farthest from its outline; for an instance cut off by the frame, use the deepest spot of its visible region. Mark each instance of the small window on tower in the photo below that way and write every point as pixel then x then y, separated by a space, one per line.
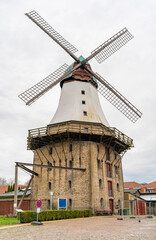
pixel 70 202
pixel 50 150
pixel 84 113
pixel 70 148
pixel 49 185
pixel 83 92
pixel 85 129
pixel 83 102
pixel 69 184
pixel 70 164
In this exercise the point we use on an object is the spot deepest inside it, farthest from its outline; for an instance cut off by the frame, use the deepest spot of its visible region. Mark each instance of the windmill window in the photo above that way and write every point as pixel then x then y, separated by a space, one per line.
pixel 100 183
pixel 50 151
pixel 48 204
pixel 85 129
pixel 69 184
pixel 97 148
pixel 107 154
pixel 84 113
pixel 70 202
pixel 70 164
pixel 83 102
pixel 118 189
pixel 99 163
pixel 49 185
pixel 101 202
pixel 70 148
pixel 83 92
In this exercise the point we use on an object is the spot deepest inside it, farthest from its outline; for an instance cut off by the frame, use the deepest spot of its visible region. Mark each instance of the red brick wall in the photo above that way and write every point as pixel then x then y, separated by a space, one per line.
pixel 7 207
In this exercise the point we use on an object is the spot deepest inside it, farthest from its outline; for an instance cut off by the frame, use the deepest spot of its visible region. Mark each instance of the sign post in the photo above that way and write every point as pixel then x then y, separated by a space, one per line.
pixel 38 210
pixel 51 195
pixel 38 205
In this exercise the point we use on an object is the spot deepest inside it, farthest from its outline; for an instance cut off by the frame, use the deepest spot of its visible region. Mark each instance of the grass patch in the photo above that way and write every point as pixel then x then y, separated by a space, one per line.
pixel 8 221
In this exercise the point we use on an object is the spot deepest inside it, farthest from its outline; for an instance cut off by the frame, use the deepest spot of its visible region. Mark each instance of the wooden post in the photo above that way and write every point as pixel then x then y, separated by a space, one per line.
pixel 20 203
pixel 16 189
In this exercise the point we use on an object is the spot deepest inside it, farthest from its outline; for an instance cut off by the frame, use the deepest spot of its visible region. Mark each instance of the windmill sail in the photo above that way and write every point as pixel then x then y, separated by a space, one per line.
pixel 117 99
pixel 109 47
pixel 40 22
pixel 33 93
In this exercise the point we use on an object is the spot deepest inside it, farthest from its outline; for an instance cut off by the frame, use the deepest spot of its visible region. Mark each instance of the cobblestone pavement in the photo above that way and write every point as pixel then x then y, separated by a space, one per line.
pixel 98 228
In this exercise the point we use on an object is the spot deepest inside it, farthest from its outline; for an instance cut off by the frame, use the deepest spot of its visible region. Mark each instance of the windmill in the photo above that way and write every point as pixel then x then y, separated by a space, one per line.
pixel 101 53
pixel 80 147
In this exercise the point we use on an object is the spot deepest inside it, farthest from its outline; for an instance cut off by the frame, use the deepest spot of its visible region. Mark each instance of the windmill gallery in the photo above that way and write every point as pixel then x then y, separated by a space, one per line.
pixel 78 155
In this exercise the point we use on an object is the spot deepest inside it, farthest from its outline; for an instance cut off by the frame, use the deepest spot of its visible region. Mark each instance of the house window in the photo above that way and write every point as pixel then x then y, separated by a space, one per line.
pixel 118 189
pixel 70 202
pixel 69 184
pixel 100 183
pixel 49 185
pixel 50 151
pixel 84 113
pixel 101 203
pixel 83 102
pixel 109 172
pixel 107 153
pixel 70 164
pixel 83 92
pixel 70 148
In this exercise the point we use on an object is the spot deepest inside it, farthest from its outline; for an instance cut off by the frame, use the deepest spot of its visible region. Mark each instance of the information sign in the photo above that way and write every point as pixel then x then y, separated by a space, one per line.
pixel 62 203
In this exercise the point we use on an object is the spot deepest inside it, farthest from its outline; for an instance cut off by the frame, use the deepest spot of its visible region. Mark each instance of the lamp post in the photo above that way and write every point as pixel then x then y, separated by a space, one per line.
pixel 51 195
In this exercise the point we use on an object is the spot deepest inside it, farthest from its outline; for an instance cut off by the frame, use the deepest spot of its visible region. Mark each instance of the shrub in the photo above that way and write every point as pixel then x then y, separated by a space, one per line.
pixel 47 215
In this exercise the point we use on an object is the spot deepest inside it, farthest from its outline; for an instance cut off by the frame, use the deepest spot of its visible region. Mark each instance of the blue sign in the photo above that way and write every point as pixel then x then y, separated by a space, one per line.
pixel 62 203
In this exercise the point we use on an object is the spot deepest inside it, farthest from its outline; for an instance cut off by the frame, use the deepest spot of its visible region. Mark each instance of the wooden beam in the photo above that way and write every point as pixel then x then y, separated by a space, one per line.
pixel 20 203
pixel 27 169
pixel 16 189
pixel 48 166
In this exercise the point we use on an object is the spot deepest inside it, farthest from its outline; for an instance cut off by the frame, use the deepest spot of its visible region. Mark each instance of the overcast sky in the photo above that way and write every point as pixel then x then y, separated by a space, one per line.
pixel 28 55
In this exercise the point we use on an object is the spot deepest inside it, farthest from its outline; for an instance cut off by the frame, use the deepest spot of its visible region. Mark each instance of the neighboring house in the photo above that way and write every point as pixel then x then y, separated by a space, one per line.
pixel 7 202
pixel 3 188
pixel 150 187
pixel 150 198
pixel 133 201
pixel 147 193
pixel 134 185
pixel 144 188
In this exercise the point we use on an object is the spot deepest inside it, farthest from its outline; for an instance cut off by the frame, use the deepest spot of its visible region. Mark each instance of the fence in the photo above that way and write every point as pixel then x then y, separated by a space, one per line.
pixel 135 208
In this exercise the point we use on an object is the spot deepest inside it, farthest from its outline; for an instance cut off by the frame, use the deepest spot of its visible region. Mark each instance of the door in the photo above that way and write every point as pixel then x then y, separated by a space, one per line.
pixel 111 205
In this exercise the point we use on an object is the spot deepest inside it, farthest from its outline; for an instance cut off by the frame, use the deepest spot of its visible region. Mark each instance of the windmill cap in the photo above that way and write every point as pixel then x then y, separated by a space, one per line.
pixel 80 74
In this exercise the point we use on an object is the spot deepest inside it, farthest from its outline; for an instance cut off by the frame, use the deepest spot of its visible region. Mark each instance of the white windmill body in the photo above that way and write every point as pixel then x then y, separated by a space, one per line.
pixel 79 101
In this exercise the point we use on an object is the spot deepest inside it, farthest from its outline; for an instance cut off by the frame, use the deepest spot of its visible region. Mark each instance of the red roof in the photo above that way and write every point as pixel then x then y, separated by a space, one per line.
pixel 132 185
pixel 150 185
pixel 5 188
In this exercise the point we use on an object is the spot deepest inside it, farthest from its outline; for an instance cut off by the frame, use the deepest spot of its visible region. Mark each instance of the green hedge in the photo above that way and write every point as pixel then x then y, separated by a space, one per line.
pixel 47 215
